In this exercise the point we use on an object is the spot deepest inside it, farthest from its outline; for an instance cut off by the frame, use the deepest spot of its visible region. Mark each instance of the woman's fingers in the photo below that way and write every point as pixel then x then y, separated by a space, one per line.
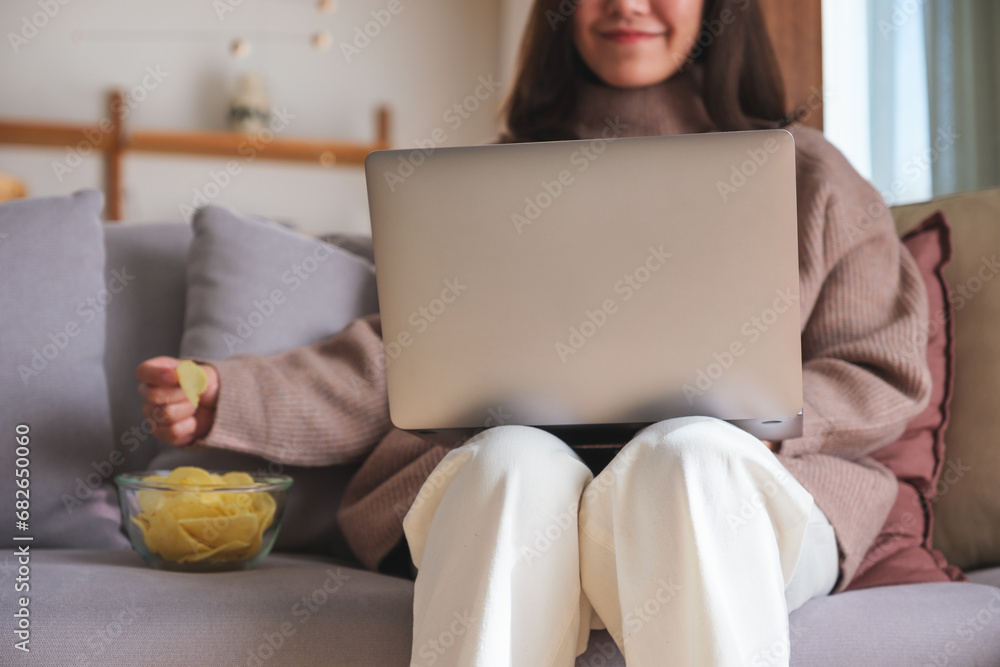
pixel 161 395
pixel 175 419
pixel 158 372
pixel 178 423
pixel 169 412
pixel 179 433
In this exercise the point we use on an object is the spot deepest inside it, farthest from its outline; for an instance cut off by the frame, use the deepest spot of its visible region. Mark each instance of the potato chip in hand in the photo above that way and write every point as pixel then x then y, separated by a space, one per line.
pixel 193 380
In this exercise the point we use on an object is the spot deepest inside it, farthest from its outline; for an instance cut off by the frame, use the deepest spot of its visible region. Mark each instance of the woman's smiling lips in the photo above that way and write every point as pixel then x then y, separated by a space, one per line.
pixel 629 36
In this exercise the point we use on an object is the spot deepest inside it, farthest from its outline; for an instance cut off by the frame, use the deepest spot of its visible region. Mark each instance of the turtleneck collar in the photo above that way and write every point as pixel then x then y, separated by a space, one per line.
pixel 671 107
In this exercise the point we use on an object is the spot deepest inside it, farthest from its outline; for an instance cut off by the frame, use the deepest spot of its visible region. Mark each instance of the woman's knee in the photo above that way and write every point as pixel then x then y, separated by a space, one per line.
pixel 516 465
pixel 513 447
pixel 688 443
pixel 529 459
pixel 698 437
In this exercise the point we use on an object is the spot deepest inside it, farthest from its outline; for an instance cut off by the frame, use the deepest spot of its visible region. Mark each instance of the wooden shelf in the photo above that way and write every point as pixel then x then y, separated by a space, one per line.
pixel 51 134
pixel 109 138
pixel 227 144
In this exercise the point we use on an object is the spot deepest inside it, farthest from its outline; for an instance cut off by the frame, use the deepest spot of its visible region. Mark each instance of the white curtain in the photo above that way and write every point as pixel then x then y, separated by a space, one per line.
pixel 963 59
pixel 901 136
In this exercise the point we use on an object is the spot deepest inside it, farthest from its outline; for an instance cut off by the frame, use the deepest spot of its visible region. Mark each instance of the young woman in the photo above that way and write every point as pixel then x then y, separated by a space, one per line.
pixel 694 543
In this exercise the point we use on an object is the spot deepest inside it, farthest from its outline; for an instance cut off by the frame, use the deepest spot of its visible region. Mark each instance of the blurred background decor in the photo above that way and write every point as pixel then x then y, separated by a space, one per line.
pixel 250 109
pixel 11 187
pixel 172 63
pixel 907 90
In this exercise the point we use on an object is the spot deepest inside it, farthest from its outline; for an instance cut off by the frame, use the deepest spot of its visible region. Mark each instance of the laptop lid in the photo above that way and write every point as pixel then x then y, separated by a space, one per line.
pixel 590 287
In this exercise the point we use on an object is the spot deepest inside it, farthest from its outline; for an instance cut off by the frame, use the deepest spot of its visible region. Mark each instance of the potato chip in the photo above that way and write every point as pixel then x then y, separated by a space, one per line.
pixel 150 500
pixel 186 477
pixel 193 506
pixel 193 380
pixel 191 519
pixel 222 530
pixel 237 479
pixel 233 551
pixel 264 506
pixel 169 538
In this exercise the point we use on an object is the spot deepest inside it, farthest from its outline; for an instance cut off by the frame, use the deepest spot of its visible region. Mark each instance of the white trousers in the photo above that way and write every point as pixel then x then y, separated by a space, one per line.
pixel 691 547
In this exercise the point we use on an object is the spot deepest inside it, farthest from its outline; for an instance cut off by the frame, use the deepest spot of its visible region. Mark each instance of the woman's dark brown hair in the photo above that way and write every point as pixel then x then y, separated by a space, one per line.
pixel 742 87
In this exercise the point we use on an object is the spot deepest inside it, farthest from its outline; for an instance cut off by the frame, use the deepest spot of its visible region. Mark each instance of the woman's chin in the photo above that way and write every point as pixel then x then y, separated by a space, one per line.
pixel 633 77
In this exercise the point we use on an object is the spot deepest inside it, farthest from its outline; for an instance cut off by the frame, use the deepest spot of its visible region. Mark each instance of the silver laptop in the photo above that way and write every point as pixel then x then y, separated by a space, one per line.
pixel 590 288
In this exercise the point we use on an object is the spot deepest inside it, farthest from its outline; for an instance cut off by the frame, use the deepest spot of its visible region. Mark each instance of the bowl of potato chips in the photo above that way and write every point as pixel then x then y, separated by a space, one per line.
pixel 194 520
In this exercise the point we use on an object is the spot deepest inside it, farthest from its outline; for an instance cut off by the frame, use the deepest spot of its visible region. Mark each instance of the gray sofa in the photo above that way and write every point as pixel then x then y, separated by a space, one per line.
pixel 310 603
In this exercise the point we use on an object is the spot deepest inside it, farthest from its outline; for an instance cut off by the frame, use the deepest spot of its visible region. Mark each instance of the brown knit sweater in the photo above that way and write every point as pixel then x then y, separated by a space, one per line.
pixel 862 301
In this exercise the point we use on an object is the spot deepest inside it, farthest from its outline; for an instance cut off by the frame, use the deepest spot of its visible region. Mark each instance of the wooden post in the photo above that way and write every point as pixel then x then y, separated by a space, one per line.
pixel 382 124
pixel 113 156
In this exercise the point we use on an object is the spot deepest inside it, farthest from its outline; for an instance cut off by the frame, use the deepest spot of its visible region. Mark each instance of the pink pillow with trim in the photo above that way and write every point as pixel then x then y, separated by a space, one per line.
pixel 902 553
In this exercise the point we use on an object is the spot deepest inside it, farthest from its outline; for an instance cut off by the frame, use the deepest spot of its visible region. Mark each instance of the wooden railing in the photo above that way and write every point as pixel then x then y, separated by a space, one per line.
pixel 109 138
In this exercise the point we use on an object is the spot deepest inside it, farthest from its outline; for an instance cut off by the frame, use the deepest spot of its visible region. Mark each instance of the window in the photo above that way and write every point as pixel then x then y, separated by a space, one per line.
pixel 876 103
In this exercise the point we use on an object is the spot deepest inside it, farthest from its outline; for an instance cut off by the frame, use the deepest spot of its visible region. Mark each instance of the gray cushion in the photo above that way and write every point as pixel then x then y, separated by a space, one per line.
pixel 234 262
pixel 145 321
pixel 109 608
pixel 989 577
pixel 359 244
pixel 899 626
pixel 52 328
pixel 255 286
pixel 916 625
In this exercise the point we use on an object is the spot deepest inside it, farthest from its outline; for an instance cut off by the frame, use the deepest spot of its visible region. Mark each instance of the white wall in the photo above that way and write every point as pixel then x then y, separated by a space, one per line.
pixel 514 15
pixel 427 58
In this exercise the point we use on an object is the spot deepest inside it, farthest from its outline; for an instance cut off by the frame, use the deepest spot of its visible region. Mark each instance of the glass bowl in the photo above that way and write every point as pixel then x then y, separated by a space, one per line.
pixel 203 526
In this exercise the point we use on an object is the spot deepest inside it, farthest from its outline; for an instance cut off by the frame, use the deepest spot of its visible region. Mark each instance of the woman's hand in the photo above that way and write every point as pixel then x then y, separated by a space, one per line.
pixel 176 421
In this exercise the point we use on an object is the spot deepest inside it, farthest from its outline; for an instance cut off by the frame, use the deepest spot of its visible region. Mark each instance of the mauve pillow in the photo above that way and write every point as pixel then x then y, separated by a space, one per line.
pixel 53 299
pixel 967 512
pixel 303 290
pixel 902 553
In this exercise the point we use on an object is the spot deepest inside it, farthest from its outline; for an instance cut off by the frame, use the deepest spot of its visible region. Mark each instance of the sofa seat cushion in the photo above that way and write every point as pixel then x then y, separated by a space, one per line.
pixel 109 608
pixel 911 625
pixel 989 577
